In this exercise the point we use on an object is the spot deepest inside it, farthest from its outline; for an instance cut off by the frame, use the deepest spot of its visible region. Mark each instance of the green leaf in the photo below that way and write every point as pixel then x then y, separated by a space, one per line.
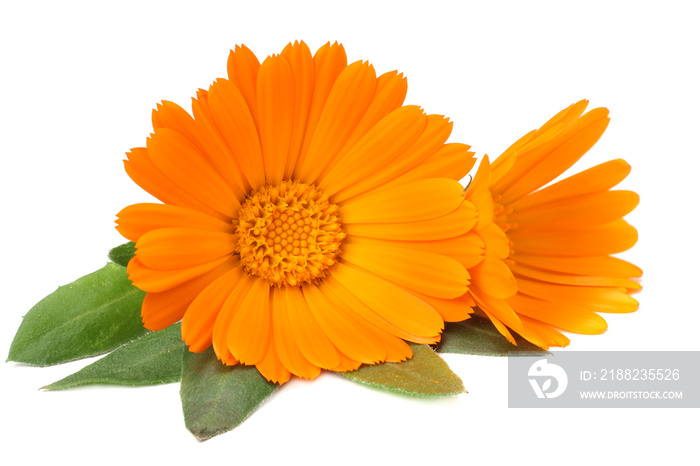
pixel 478 336
pixel 426 374
pixel 217 398
pixel 153 359
pixel 123 253
pixel 93 315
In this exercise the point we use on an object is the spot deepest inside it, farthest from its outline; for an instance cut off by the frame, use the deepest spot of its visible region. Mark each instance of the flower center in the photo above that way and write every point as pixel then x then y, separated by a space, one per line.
pixel 288 234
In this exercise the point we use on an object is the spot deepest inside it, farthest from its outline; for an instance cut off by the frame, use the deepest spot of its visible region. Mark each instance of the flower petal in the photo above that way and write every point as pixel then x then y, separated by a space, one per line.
pixel 198 322
pixel 599 178
pixel 576 212
pixel 302 64
pixel 271 366
pixel 181 248
pixel 398 307
pixel 436 132
pixel 351 338
pixel 569 317
pixel 610 238
pixel 452 161
pixel 275 122
pixel 383 143
pixel 289 353
pixel 584 265
pixel 137 219
pixel 493 277
pixel 182 162
pixel 451 225
pixel 346 103
pixel 597 299
pixel 153 280
pixel 410 202
pixel 162 309
pixel 422 271
pixel 313 342
pixel 233 118
pixel 243 67
pixel 250 331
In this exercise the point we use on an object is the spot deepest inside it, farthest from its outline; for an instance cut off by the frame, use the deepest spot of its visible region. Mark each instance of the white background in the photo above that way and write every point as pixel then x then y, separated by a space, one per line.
pixel 78 83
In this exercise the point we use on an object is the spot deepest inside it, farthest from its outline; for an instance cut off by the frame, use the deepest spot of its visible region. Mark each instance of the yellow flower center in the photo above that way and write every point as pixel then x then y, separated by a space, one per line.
pixel 288 234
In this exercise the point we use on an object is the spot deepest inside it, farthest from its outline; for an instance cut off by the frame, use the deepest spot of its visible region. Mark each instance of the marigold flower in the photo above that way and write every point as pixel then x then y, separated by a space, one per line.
pixel 308 217
pixel 558 240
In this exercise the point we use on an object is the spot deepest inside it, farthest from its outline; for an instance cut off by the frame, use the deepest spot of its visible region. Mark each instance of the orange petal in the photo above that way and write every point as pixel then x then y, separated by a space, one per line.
pixel 329 62
pixel 599 178
pixel 213 143
pixel 493 277
pixel 287 349
pixel 597 299
pixel 182 162
pixel 388 96
pixel 567 317
pixel 224 320
pixel 138 219
pixel 181 248
pixel 436 132
pixel 236 124
pixel 198 322
pixel 312 341
pixel 532 148
pixel 496 308
pixel 584 265
pixel 143 171
pixel 250 331
pixel 271 366
pixel 346 103
pixel 346 334
pixel 299 58
pixel 395 305
pixel 152 280
pixel 172 116
pixel 410 202
pixel 276 119
pixel 383 143
pixel 425 272
pixel 610 238
pixel 160 310
pixel 339 294
pixel 452 161
pixel 541 334
pixel 395 349
pixel 575 212
pixel 243 68
pixel 495 241
pixel 453 224
pixel 543 169
pixel 451 310
pixel 463 249
pixel 578 280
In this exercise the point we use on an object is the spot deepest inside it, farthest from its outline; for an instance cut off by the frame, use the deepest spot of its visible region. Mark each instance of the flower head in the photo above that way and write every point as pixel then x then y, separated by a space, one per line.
pixel 558 240
pixel 308 217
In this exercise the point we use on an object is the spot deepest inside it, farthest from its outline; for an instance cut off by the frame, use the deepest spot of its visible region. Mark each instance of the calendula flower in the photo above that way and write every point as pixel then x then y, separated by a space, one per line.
pixel 308 217
pixel 558 240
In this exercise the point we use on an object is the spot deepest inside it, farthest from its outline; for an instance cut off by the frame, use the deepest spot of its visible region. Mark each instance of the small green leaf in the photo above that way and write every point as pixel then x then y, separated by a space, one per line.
pixel 123 253
pixel 478 336
pixel 426 374
pixel 93 315
pixel 153 359
pixel 217 398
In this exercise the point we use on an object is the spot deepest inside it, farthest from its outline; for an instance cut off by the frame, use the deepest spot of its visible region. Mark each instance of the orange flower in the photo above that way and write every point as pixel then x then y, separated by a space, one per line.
pixel 307 220
pixel 559 239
